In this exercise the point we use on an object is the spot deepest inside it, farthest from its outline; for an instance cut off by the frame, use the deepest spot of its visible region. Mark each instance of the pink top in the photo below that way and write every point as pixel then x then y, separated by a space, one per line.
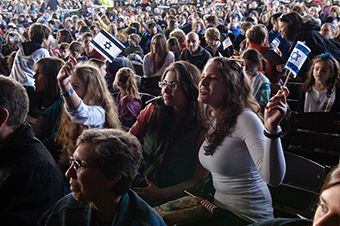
pixel 128 109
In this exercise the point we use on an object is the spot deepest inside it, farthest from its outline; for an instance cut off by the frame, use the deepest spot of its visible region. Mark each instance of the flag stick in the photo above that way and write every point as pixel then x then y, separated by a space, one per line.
pixel 285 83
pixel 205 203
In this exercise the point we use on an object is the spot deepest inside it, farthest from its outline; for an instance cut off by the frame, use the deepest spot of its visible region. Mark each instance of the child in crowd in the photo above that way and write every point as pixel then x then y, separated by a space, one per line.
pixel 320 92
pixel 75 49
pixel 64 51
pixel 128 99
pixel 101 65
pixel 260 84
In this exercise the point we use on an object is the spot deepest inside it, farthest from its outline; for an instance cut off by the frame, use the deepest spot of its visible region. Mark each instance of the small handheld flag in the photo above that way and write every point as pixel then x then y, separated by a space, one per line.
pixel 297 58
pixel 275 43
pixel 226 43
pixel 205 203
pixel 107 45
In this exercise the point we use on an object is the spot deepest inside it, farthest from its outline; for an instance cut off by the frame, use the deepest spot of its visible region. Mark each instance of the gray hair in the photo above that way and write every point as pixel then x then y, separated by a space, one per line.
pixel 116 153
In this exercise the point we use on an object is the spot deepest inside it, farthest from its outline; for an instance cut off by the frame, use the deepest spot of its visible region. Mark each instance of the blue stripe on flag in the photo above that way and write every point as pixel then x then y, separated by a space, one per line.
pixel 119 45
pixel 302 49
pixel 293 67
pixel 108 55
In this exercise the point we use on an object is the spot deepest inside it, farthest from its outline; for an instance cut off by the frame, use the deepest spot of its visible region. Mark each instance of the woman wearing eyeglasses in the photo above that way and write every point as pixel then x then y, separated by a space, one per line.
pixel 102 168
pixel 172 135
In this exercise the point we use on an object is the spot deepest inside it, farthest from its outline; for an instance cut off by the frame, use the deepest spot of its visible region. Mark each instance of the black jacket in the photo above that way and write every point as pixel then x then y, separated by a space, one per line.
pixel 30 180
pixel 318 44
pixel 199 59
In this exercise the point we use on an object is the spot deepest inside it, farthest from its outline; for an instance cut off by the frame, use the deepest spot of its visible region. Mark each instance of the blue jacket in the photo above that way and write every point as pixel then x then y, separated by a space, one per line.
pixel 70 212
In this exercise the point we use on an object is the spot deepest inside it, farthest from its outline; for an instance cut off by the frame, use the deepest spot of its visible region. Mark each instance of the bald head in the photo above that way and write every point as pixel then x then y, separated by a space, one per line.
pixel 193 42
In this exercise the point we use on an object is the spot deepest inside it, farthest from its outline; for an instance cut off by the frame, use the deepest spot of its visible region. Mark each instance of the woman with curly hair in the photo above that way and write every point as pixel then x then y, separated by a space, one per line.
pixel 88 103
pixel 242 154
pixel 321 91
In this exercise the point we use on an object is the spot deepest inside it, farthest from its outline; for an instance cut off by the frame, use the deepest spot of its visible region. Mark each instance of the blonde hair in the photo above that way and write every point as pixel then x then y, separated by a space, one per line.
pixel 212 33
pixel 127 83
pixel 97 94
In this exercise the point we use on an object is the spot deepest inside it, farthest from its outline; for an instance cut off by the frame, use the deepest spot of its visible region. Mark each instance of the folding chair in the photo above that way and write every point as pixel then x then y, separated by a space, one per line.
pixel 309 132
pixel 299 191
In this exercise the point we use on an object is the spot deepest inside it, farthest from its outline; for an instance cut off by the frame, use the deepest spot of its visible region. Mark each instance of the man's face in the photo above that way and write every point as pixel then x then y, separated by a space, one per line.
pixel 182 19
pixel 88 48
pixel 193 43
pixel 152 31
pixel 120 24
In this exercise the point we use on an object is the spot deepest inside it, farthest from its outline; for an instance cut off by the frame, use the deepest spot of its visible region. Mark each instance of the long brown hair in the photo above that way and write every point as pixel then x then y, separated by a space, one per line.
pixel 332 82
pixel 237 97
pixel 49 67
pixel 162 51
pixel 97 94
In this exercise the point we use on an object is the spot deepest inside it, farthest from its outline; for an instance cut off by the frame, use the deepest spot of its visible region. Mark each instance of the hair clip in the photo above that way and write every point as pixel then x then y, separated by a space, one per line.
pixel 326 55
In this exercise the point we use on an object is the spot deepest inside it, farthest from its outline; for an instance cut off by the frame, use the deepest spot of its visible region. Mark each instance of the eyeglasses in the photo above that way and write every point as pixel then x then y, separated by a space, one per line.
pixel 170 85
pixel 77 165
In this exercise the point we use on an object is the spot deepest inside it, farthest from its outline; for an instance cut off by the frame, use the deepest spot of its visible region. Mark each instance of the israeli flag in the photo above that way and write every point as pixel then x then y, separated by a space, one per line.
pixel 275 43
pixel 297 58
pixel 107 45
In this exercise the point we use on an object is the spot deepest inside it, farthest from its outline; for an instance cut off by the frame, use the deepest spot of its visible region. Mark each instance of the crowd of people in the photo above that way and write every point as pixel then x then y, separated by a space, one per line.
pixel 216 113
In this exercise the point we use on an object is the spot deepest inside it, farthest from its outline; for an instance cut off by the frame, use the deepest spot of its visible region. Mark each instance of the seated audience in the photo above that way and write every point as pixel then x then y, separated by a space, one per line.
pixel 45 102
pixel 215 45
pixel 172 45
pixel 31 52
pixel 294 29
pixel 238 135
pixel 159 58
pixel 88 103
pixel 102 169
pixel 194 53
pixel 260 84
pixel 171 134
pixel 134 47
pixel 64 51
pixel 89 51
pixel 320 92
pixel 75 51
pixel 31 181
pixel 128 99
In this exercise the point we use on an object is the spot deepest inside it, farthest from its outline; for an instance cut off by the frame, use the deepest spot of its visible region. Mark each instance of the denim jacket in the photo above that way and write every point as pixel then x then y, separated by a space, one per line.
pixel 70 212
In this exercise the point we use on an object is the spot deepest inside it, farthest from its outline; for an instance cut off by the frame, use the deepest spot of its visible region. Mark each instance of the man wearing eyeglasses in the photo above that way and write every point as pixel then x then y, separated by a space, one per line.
pixel 101 171
pixel 30 180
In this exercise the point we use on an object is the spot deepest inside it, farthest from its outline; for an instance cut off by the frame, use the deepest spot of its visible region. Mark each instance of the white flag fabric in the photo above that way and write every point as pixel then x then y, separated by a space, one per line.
pixel 226 43
pixel 297 58
pixel 276 42
pixel 107 45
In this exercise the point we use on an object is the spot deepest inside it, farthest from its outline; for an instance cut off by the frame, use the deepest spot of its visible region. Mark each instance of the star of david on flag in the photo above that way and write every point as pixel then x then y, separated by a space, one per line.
pixel 107 45
pixel 297 58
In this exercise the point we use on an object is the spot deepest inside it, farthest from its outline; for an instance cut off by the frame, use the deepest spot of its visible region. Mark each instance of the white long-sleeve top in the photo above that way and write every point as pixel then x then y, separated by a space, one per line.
pixel 242 165
pixel 92 116
pixel 148 67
